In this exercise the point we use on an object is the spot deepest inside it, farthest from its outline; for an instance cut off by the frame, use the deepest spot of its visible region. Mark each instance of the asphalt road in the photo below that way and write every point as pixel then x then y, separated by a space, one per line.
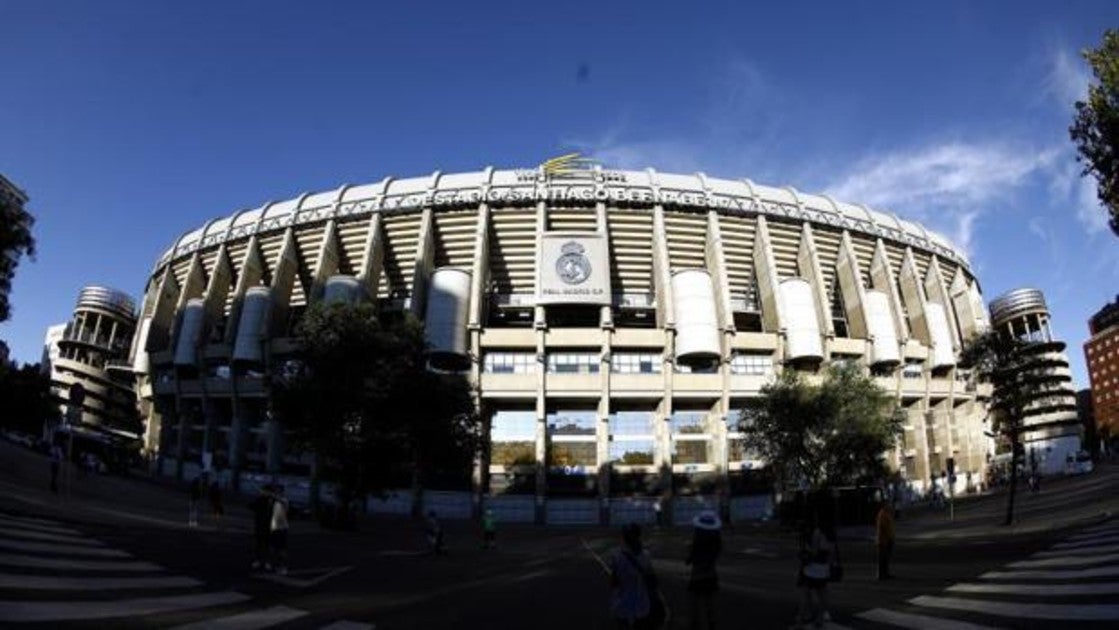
pixel 117 553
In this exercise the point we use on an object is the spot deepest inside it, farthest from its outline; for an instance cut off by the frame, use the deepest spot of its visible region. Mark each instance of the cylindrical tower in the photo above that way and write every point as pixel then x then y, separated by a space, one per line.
pixel 1052 426
pixel 93 352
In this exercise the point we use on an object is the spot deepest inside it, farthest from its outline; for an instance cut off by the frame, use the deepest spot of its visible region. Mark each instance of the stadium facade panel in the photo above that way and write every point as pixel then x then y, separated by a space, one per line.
pixel 613 321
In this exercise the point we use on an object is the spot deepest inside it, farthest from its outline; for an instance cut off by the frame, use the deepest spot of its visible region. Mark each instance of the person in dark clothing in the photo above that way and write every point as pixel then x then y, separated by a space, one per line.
pixel 703 553
pixel 56 465
pixel 435 535
pixel 195 496
pixel 216 506
pixel 262 526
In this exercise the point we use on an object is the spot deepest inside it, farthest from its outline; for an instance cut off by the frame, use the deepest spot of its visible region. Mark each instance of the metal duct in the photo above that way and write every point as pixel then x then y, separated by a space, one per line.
pixel 448 303
pixel 802 330
pixel 942 354
pixel 697 323
pixel 250 330
pixel 880 326
pixel 344 289
pixel 190 332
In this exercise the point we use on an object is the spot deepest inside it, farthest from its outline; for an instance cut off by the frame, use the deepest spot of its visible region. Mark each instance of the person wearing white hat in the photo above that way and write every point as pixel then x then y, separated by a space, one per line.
pixel 707 543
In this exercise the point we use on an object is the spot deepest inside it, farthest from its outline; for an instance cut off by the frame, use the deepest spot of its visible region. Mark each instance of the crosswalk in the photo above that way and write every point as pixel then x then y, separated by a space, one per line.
pixel 1063 586
pixel 53 573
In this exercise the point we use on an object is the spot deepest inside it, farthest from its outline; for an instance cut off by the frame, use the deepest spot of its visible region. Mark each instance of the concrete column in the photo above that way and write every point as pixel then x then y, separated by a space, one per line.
pixel 275 458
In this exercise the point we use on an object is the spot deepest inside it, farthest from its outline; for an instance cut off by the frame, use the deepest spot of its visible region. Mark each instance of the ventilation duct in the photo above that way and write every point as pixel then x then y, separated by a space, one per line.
pixel 190 332
pixel 697 324
pixel 250 330
pixel 880 326
pixel 448 303
pixel 802 331
pixel 942 353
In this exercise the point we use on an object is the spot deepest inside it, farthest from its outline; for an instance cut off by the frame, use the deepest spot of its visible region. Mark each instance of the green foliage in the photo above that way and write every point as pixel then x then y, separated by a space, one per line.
pixel 361 397
pixel 832 434
pixel 15 241
pixel 1095 130
pixel 25 397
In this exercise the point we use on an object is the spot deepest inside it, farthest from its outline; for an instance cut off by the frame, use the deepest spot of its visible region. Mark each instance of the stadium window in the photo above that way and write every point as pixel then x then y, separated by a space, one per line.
pixel 635 363
pixel 753 364
pixel 913 369
pixel 573 363
pixel 509 363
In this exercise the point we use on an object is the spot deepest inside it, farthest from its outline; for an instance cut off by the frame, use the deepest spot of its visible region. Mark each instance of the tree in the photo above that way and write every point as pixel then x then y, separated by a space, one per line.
pixel 15 241
pixel 361 398
pixel 822 436
pixel 25 397
pixel 1020 384
pixel 1095 130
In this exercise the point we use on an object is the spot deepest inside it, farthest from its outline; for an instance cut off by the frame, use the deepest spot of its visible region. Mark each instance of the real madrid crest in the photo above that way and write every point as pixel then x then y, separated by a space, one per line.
pixel 572 266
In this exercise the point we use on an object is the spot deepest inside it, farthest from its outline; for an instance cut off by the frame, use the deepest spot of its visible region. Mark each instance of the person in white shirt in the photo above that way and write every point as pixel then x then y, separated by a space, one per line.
pixel 279 530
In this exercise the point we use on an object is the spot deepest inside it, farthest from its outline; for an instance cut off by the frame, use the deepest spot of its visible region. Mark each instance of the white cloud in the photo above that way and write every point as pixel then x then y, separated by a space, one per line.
pixel 948 186
pixel 1067 187
pixel 1067 78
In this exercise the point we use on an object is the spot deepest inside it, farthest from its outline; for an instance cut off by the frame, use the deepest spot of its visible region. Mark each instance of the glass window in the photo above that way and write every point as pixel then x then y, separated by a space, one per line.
pixel 690 451
pixel 561 423
pixel 913 369
pixel 635 363
pixel 573 363
pixel 573 454
pixel 513 438
pixel 752 364
pixel 632 452
pixel 509 363
pixel 693 422
pixel 631 423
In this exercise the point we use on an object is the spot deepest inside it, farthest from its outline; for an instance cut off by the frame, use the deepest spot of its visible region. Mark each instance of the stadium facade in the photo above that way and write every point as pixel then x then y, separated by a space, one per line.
pixel 613 322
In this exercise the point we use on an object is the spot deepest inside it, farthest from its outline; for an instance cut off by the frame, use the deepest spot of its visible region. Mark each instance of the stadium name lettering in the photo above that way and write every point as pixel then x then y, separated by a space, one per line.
pixel 561 193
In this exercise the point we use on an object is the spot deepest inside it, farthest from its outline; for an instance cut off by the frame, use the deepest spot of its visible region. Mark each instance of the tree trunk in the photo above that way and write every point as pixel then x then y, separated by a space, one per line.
pixel 1013 482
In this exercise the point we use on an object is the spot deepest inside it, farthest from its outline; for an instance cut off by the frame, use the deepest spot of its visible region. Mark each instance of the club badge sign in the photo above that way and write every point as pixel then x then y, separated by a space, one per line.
pixel 573 268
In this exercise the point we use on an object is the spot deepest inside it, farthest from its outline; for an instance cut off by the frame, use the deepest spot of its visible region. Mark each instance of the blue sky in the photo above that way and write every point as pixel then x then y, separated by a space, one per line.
pixel 129 123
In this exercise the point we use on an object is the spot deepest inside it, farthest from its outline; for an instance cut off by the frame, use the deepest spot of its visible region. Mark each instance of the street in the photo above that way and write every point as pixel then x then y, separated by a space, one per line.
pixel 112 552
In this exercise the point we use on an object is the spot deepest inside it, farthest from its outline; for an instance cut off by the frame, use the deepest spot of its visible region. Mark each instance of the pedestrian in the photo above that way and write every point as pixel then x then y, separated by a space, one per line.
pixel 278 530
pixel 195 496
pixel 817 566
pixel 884 537
pixel 56 465
pixel 707 543
pixel 216 506
pixel 262 526
pixel 489 529
pixel 434 530
pixel 636 602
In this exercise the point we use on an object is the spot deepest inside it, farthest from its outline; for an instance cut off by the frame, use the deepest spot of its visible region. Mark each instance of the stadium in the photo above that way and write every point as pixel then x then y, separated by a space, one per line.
pixel 613 322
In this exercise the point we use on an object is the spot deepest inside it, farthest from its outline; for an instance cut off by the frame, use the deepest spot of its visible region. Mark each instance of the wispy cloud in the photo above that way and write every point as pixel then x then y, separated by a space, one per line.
pixel 946 185
pixel 1067 77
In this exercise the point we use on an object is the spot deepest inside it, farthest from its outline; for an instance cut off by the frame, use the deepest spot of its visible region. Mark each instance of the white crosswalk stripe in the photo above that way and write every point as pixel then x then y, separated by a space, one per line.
pixel 251 620
pixel 1072 581
pixel 33 543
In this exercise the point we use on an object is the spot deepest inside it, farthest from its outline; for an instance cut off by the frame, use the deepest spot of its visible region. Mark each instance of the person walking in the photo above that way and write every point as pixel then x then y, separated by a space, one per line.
pixel 56 466
pixel 434 530
pixel 707 543
pixel 635 599
pixel 489 529
pixel 819 557
pixel 216 506
pixel 278 530
pixel 195 496
pixel 261 507
pixel 884 537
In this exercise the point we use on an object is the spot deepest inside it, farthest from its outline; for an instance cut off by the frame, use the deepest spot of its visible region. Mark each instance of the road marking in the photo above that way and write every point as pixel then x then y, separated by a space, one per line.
pixel 1108 588
pixel 1079 551
pixel 1024 610
pixel 59 548
pixel 8 521
pixel 1070 574
pixel 29 535
pixel 1087 543
pixel 916 622
pixel 36 562
pixel 74 610
pixel 30 519
pixel 96 583
pixel 348 625
pixel 1063 562
pixel 293 577
pixel 1112 531
pixel 247 620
